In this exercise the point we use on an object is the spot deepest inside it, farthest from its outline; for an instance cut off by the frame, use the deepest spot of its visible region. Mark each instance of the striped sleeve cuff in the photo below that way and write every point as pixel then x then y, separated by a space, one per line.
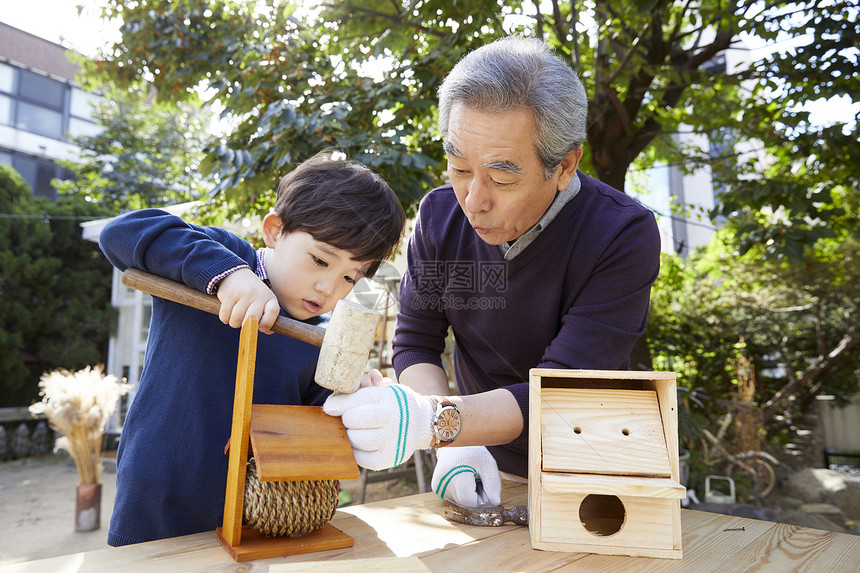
pixel 212 287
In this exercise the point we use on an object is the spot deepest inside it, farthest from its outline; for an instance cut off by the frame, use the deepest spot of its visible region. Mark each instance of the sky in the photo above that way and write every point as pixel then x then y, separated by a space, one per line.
pixel 58 21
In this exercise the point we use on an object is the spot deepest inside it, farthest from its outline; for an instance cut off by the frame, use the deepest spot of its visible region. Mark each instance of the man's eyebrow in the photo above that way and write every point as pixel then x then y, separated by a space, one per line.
pixel 451 150
pixel 506 166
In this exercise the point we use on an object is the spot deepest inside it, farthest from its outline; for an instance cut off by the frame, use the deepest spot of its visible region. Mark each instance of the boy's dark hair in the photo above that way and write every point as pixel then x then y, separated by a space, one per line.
pixel 342 203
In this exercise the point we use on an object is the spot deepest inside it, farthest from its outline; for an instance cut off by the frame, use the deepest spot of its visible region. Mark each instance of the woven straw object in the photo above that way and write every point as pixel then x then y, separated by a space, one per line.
pixel 294 508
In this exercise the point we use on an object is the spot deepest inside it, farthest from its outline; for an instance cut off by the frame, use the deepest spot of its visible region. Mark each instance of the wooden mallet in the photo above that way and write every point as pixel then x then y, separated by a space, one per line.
pixel 344 345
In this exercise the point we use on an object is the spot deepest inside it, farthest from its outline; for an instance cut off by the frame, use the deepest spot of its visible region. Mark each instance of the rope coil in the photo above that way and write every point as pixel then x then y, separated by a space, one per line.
pixel 294 508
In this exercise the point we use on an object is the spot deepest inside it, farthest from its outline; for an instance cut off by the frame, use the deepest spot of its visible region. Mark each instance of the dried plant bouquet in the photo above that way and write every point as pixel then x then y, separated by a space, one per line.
pixel 78 405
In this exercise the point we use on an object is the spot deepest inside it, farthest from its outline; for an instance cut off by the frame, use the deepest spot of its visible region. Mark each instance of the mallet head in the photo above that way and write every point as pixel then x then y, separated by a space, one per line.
pixel 345 347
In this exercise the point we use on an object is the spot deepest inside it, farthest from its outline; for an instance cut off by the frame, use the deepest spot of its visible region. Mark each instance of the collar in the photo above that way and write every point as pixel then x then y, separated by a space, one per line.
pixel 261 266
pixel 512 249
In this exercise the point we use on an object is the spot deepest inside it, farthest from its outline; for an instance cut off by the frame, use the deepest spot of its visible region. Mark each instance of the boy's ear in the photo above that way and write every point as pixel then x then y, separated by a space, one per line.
pixel 272 227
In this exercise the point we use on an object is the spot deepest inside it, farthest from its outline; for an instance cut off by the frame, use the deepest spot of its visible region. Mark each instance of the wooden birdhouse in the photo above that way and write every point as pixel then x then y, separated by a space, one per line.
pixel 298 444
pixel 603 463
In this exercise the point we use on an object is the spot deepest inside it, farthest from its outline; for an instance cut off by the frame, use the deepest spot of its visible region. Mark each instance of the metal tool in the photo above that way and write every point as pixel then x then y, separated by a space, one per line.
pixel 486 515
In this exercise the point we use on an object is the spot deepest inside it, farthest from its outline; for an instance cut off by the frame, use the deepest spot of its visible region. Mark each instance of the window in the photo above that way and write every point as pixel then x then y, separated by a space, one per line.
pixel 81 109
pixel 42 90
pixel 7 88
pixel 7 78
pixel 5 110
pixel 41 105
pixel 37 173
pixel 41 120
pixel 82 104
pixel 79 127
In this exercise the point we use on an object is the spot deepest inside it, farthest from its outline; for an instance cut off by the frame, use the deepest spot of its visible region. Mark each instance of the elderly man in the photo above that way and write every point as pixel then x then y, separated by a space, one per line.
pixel 530 262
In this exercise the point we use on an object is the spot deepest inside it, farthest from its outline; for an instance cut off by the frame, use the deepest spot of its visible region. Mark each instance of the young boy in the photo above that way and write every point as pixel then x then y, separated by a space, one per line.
pixel 333 222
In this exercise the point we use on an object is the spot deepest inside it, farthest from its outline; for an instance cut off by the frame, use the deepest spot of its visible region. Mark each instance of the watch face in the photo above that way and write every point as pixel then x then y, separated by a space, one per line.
pixel 448 424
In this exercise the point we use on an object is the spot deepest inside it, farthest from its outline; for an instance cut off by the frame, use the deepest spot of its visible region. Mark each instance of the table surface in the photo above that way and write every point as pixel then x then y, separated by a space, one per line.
pixel 393 535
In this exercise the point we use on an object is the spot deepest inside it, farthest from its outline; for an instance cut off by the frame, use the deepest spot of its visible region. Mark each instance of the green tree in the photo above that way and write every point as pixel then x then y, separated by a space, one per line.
pixel 798 323
pixel 804 190
pixel 362 76
pixel 54 289
pixel 147 155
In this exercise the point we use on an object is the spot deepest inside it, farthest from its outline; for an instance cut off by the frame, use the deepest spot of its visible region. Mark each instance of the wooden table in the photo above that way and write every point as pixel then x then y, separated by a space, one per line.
pixel 396 533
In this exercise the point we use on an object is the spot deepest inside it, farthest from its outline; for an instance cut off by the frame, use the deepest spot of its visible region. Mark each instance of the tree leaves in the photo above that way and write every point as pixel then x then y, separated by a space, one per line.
pixel 296 80
pixel 146 156
pixel 54 289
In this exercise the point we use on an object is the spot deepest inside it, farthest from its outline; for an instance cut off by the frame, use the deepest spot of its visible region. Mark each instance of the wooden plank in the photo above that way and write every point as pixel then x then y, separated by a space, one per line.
pixel 713 543
pixel 603 374
pixel 608 431
pixel 300 443
pixel 632 486
pixel 507 550
pixel 792 548
pixel 394 524
pixel 371 565
pixel 255 545
pixel 234 497
pixel 667 399
pixel 535 454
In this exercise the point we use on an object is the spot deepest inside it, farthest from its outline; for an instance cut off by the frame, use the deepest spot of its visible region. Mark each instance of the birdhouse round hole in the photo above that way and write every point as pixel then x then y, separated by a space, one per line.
pixel 602 515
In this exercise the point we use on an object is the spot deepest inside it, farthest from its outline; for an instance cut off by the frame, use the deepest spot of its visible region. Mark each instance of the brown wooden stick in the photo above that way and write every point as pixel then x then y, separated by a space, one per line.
pixel 183 294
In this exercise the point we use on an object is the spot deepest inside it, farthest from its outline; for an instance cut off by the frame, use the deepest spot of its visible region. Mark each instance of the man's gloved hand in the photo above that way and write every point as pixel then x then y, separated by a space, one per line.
pixel 385 424
pixel 458 472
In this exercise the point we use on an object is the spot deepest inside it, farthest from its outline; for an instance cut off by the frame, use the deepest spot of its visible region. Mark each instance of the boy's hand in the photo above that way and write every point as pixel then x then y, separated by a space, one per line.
pixel 243 294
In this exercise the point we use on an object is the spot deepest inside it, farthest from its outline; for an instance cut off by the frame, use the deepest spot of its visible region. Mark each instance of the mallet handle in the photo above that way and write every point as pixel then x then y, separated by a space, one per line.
pixel 183 294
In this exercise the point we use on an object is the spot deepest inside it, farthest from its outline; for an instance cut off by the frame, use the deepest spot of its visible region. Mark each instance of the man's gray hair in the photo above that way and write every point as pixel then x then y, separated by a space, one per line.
pixel 516 72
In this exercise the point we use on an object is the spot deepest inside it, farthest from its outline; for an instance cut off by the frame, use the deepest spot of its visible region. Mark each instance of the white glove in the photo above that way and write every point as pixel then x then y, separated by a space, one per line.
pixel 459 471
pixel 384 424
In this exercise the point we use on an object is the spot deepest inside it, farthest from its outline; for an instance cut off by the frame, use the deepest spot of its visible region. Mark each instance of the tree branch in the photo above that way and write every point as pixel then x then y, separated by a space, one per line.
pixel 396 18
pixel 574 19
pixel 849 340
pixel 629 54
pixel 538 18
pixel 676 29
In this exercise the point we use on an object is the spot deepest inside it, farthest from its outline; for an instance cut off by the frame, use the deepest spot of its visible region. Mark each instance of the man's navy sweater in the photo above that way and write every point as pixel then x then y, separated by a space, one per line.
pixel 171 466
pixel 577 297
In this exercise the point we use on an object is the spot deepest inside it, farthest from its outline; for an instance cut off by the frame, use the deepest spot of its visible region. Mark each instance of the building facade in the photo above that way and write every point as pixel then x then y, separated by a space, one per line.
pixel 41 108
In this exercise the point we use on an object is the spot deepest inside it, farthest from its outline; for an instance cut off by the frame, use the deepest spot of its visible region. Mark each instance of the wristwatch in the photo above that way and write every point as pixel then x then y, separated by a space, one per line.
pixel 446 424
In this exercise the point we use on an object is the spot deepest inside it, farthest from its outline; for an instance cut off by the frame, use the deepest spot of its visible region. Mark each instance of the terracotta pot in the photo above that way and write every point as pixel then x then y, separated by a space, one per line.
pixel 88 507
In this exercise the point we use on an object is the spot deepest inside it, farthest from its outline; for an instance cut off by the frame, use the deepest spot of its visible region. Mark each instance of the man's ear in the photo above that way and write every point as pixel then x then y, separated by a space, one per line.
pixel 568 167
pixel 272 227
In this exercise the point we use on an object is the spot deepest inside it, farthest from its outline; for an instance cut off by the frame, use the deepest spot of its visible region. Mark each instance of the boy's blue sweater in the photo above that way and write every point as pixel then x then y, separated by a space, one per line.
pixel 171 466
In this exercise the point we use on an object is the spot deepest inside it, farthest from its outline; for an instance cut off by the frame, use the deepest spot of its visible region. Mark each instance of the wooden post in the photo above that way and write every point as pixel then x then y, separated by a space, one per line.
pixel 239 435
